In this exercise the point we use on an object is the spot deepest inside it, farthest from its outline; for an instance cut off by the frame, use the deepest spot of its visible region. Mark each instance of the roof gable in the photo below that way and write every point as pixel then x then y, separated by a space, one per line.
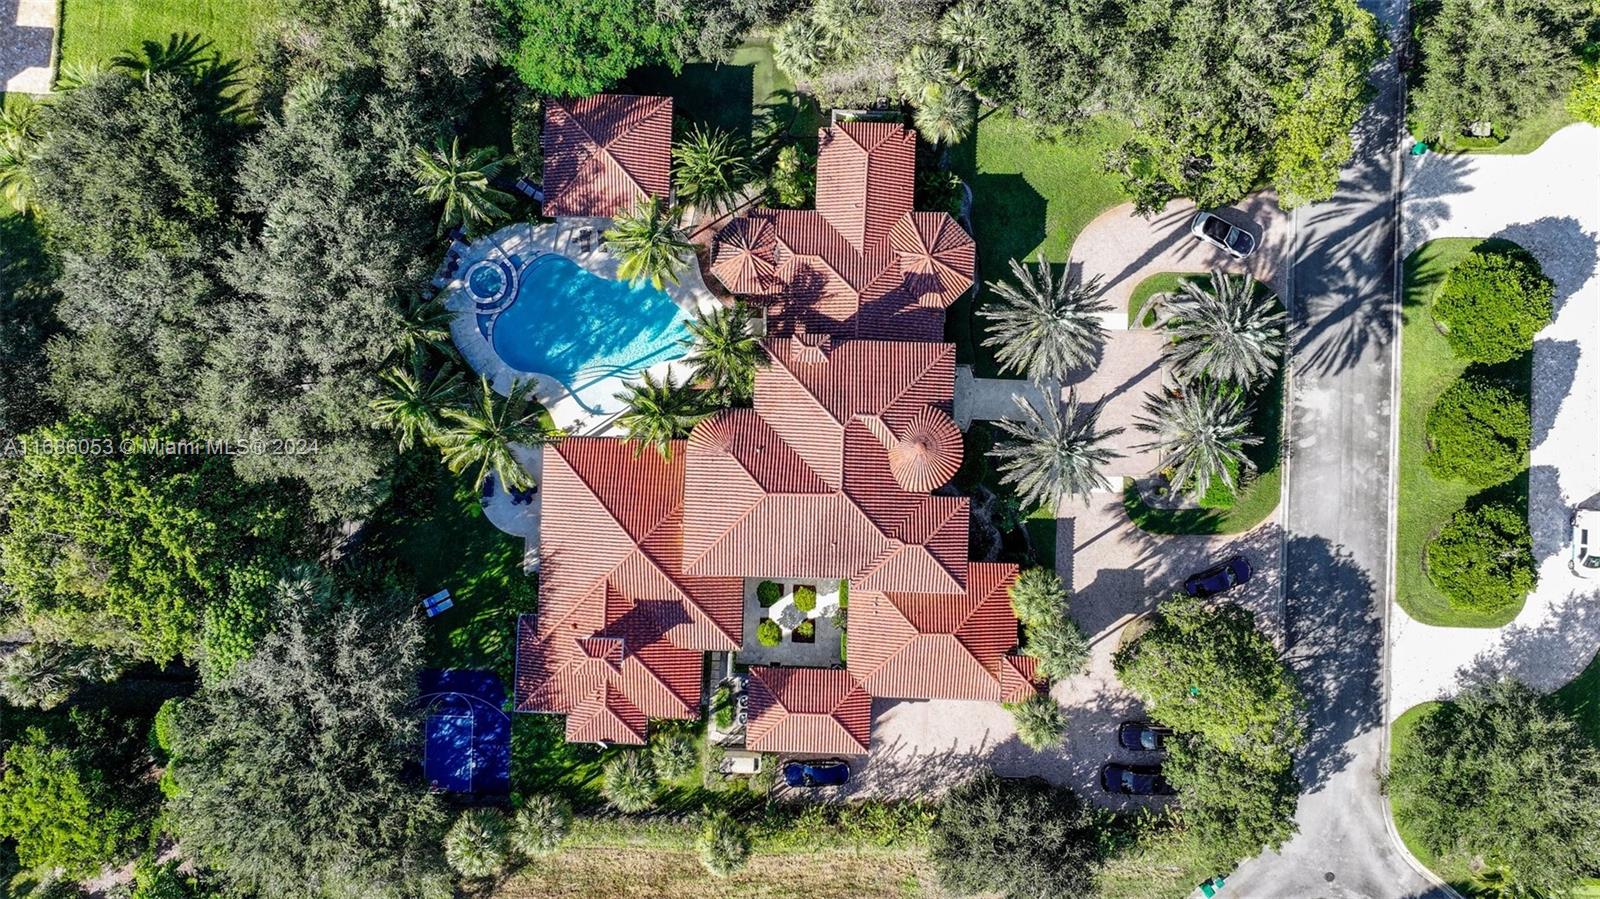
pixel 605 153
pixel 813 710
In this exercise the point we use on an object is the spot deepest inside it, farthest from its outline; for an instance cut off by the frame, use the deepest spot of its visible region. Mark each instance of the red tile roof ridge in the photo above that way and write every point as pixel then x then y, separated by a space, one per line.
pixel 602 143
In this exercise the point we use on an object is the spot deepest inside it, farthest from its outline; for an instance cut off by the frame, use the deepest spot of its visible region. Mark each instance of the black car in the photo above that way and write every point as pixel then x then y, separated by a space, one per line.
pixel 1218 578
pixel 1142 736
pixel 823 773
pixel 1135 780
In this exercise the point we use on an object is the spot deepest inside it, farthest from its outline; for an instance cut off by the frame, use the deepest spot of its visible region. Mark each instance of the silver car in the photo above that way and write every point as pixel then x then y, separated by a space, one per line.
pixel 1230 239
pixel 1585 560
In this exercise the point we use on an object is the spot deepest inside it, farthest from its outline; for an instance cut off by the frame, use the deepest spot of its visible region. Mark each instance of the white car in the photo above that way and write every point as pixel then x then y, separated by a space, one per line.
pixel 1229 238
pixel 1585 543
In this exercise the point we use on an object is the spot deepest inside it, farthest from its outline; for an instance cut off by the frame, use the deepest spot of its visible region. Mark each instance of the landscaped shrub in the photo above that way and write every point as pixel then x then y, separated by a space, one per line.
pixel 478 844
pixel 674 755
pixel 793 178
pixel 724 844
pixel 768 592
pixel 1040 722
pixel 1038 595
pixel 1584 101
pixel 768 633
pixel 1039 600
pixel 630 782
pixel 722 707
pixel 806 632
pixel 805 597
pixel 541 824
pixel 1482 559
pixel 1478 432
pixel 1493 303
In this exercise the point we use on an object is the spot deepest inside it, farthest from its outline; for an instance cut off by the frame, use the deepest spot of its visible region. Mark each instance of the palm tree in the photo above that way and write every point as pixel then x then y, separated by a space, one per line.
pixel 724 354
pixel 923 66
pixel 1199 432
pixel 649 243
pixel 1044 328
pixel 74 75
pixel 16 180
pixel 21 122
pixel 1223 331
pixel 416 400
pixel 801 47
pixel 478 845
pixel 484 437
pixel 945 113
pixel 461 183
pixel 1052 454
pixel 658 413
pixel 1040 722
pixel 712 168
pixel 425 324
pixel 965 28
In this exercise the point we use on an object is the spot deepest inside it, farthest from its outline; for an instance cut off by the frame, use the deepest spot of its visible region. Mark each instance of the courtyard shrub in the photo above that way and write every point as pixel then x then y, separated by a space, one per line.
pixel 673 754
pixel 1482 559
pixel 478 844
pixel 541 824
pixel 1040 722
pixel 768 633
pixel 768 592
pixel 805 597
pixel 1493 303
pixel 1478 432
pixel 1039 600
pixel 724 844
pixel 630 782
pixel 722 707
pixel 806 632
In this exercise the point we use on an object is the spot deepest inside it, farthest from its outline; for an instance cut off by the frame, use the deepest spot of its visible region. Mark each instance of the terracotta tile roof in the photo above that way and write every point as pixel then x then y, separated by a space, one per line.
pixel 803 485
pixel 810 710
pixel 605 153
pixel 934 646
pixel 621 628
pixel 862 264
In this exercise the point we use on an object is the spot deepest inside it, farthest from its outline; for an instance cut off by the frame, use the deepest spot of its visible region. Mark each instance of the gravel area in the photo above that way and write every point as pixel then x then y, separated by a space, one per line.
pixel 27 40
pixel 1549 202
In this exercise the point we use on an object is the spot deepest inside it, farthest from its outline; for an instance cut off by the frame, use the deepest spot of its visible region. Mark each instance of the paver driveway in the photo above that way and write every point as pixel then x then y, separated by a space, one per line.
pixel 1117 574
pixel 1549 202
pixel 27 39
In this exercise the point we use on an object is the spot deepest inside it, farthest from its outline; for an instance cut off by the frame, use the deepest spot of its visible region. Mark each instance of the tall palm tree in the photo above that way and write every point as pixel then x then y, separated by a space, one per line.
pixel 461 183
pixel 1052 454
pixel 1198 433
pixel 966 29
pixel 483 437
pixel 1221 330
pixel 1044 327
pixel 649 243
pixel 425 324
pixel 659 412
pixel 945 113
pixel 416 400
pixel 801 48
pixel 712 167
pixel 724 354
pixel 922 66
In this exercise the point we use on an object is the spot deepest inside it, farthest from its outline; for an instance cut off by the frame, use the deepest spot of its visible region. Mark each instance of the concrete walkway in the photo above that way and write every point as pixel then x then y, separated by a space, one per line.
pixel 1549 202
pixel 27 44
pixel 1125 249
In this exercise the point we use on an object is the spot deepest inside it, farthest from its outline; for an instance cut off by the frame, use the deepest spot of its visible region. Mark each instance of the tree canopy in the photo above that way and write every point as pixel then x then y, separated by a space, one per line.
pixel 1496 775
pixel 572 48
pixel 1017 838
pixel 290 771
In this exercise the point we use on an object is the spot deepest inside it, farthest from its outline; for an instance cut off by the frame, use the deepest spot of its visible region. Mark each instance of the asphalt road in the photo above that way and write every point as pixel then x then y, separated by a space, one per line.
pixel 1336 523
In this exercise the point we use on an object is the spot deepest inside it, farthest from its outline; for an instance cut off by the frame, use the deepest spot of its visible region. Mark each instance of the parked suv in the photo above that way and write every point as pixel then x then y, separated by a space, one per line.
pixel 1218 578
pixel 1585 560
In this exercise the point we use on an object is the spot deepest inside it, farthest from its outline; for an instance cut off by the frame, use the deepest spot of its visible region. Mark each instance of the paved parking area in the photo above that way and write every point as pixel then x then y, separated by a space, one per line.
pixel 1118 574
pixel 27 40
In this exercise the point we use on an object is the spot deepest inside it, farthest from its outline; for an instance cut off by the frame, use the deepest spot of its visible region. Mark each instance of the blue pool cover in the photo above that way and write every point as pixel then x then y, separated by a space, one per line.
pixel 467 746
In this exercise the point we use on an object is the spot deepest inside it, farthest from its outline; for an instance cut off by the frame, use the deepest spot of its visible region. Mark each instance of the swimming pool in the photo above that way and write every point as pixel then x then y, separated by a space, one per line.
pixel 578 327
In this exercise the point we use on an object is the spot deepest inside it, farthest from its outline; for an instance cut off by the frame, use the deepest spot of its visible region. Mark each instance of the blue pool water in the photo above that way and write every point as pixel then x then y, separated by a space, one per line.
pixel 578 327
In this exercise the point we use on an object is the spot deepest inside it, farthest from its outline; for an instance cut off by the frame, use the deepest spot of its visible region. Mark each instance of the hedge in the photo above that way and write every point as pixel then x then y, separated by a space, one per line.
pixel 1482 559
pixel 1493 303
pixel 1478 432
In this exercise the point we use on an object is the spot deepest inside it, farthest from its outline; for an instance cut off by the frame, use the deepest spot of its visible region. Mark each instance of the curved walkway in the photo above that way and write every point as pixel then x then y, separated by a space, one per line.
pixel 1549 202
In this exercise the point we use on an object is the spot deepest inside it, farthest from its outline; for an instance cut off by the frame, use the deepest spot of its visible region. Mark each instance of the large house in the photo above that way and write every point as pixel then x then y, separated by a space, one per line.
pixel 834 478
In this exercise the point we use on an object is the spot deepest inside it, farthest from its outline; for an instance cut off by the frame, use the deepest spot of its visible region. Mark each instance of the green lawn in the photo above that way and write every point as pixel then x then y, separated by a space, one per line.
pixel 1261 495
pixel 732 96
pixel 1581 699
pixel 1427 367
pixel 94 31
pixel 1528 136
pixel 1030 196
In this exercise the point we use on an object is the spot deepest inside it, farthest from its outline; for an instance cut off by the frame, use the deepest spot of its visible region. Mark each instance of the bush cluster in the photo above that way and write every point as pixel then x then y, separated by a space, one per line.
pixel 1039 600
pixel 805 597
pixel 1478 432
pixel 1482 559
pixel 768 592
pixel 768 633
pixel 1493 303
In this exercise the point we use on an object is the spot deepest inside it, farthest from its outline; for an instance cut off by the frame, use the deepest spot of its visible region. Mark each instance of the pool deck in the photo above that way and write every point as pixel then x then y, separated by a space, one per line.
pixel 570 412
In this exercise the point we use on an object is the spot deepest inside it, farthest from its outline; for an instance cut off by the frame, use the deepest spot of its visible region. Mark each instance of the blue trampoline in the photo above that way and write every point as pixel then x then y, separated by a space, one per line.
pixel 468 733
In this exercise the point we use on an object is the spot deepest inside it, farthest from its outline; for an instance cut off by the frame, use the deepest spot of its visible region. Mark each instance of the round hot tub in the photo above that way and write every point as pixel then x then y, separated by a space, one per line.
pixel 491 282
